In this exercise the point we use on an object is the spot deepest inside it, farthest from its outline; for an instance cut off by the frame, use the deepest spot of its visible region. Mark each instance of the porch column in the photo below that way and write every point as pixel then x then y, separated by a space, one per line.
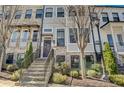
pixel 115 47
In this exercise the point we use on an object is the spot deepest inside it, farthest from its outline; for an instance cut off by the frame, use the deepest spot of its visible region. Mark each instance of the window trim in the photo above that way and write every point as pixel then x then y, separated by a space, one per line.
pixel 57 13
pixel 61 38
pixel 46 11
pixel 33 40
pixel 40 14
pixel 18 15
pixel 107 16
pixel 116 17
pixel 28 14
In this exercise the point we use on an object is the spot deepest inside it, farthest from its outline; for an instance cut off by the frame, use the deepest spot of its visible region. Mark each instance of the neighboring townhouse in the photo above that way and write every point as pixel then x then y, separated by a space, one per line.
pixel 26 27
pixel 112 31
pixel 57 33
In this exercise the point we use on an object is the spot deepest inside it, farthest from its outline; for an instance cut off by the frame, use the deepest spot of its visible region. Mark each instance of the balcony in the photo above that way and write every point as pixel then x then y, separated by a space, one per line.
pixel 120 46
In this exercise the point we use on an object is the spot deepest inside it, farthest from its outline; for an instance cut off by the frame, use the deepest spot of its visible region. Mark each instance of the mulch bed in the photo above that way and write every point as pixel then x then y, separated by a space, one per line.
pixel 89 83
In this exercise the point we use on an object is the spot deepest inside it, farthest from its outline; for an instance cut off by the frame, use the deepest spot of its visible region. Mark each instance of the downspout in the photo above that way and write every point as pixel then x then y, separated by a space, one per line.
pixel 39 55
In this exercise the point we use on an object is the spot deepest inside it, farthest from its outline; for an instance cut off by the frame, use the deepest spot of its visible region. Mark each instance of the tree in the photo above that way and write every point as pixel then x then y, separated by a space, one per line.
pixel 8 14
pixel 110 61
pixel 79 17
pixel 28 57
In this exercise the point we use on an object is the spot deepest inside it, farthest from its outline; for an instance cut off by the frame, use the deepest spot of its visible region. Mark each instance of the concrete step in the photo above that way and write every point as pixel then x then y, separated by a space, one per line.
pixel 33 78
pixel 33 84
pixel 33 74
pixel 37 66
pixel 36 70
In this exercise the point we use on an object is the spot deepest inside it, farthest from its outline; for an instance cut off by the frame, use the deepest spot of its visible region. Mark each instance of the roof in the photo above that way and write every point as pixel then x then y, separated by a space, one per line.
pixel 111 6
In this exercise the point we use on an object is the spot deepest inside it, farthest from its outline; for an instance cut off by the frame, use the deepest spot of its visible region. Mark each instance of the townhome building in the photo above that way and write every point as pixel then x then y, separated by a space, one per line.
pixel 50 27
pixel 57 33
pixel 26 26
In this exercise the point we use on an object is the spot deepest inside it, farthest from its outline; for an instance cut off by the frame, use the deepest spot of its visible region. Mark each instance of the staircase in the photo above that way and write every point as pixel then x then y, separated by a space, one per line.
pixel 39 72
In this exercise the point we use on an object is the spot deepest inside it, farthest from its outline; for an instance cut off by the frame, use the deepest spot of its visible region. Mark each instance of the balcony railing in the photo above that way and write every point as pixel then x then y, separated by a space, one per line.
pixel 120 46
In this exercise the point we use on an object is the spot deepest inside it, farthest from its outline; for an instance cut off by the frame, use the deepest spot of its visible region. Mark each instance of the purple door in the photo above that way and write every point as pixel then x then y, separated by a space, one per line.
pixel 46 48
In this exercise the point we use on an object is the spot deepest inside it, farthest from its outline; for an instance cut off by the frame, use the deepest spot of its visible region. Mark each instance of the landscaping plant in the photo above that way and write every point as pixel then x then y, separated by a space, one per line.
pixel 74 73
pixel 92 73
pixel 117 79
pixel 59 78
pixel 109 59
pixel 11 68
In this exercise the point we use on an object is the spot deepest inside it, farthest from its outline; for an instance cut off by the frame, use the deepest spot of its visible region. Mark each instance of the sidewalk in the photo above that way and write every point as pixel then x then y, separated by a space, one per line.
pixel 6 83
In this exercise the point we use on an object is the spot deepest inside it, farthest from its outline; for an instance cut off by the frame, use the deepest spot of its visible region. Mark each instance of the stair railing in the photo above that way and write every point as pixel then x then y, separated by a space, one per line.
pixel 49 67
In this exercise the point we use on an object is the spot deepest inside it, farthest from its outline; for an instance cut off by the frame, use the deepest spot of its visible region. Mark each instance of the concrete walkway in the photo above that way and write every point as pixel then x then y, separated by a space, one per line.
pixel 6 83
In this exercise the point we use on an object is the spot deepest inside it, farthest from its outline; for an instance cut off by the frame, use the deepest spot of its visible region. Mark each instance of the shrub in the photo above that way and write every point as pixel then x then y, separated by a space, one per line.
pixel 92 73
pixel 16 75
pixel 96 67
pixel 19 63
pixel 28 58
pixel 117 79
pixel 74 73
pixel 59 78
pixel 11 67
pixel 62 68
pixel 109 58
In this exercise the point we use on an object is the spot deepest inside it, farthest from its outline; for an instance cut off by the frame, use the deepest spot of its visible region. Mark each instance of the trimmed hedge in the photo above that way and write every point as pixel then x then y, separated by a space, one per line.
pixel 92 73
pixel 11 68
pixel 117 79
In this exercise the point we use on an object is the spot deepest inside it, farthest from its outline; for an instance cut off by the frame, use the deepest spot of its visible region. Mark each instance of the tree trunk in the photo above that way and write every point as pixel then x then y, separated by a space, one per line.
pixel 3 56
pixel 82 65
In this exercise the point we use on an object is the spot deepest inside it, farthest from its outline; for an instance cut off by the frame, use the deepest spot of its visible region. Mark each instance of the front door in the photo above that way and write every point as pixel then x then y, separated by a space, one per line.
pixel 46 48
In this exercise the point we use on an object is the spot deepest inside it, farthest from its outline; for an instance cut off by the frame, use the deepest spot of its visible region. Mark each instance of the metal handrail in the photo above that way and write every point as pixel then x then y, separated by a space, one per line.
pixel 49 66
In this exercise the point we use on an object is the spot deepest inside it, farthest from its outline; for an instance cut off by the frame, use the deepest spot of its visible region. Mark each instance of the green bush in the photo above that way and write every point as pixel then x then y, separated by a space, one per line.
pixel 109 59
pixel 92 73
pixel 74 73
pixel 11 68
pixel 16 75
pixel 96 67
pixel 117 79
pixel 59 78
pixel 19 63
pixel 62 68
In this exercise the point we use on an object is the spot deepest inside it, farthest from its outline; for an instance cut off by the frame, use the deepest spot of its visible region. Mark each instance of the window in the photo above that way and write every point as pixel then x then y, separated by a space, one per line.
pixel 115 17
pixel 47 30
pixel 93 16
pixel 105 17
pixel 49 12
pixel 72 12
pixel 39 13
pixel 9 59
pixel 25 36
pixel 60 58
pixel 123 15
pixel 14 36
pixel 73 35
pixel 110 40
pixel 18 14
pixel 28 14
pixel 120 39
pixel 35 35
pixel 75 61
pixel 20 56
pixel 60 12
pixel 89 60
pixel 60 37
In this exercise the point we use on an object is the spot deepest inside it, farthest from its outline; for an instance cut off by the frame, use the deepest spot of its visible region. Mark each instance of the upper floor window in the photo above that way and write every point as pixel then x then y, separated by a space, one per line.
pixel 110 40
pixel 28 13
pixel 39 13
pixel 7 15
pixel 49 12
pixel 72 35
pixel 60 37
pixel 14 36
pixel 25 36
pixel 105 17
pixel 120 40
pixel 47 30
pixel 72 12
pixel 93 16
pixel 115 17
pixel 60 12
pixel 18 14
pixel 35 35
